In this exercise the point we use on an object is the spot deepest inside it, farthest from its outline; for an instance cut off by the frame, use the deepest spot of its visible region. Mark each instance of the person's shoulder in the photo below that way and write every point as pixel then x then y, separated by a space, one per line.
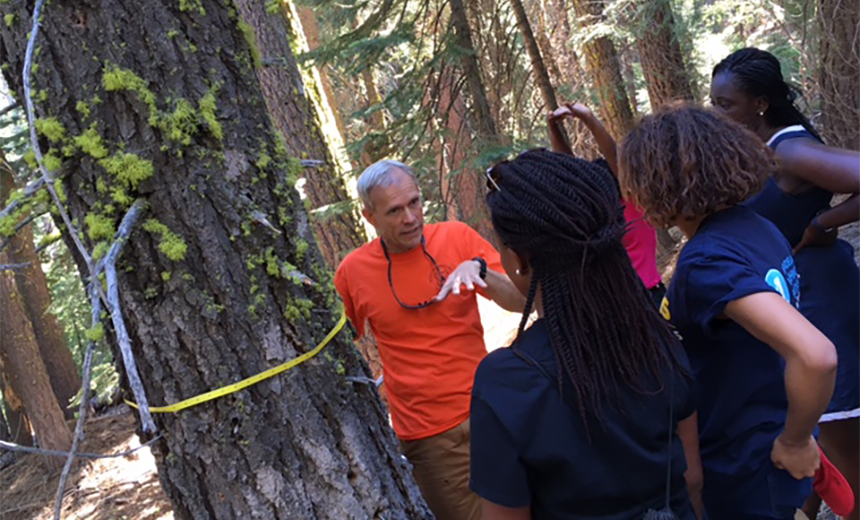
pixel 449 227
pixel 359 256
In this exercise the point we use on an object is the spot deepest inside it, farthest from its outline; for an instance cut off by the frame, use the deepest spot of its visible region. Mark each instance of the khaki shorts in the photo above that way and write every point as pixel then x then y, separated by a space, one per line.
pixel 440 465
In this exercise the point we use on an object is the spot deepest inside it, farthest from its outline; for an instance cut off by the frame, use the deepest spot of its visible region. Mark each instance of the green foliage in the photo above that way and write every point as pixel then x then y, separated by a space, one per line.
pixel 91 142
pixel 83 108
pixel 170 244
pixel 99 227
pixel 51 128
pixel 95 333
pixel 181 124
pixel 207 106
pixel 251 38
pixel 10 19
pixel 115 79
pixel 128 168
pixel 192 5
pixel 273 6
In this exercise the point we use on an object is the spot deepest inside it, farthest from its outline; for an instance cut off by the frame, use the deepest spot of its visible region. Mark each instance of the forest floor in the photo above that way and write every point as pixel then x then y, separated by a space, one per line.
pixel 101 489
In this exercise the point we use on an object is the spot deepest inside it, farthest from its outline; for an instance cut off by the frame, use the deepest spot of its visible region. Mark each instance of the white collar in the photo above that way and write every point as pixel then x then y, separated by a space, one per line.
pixel 792 128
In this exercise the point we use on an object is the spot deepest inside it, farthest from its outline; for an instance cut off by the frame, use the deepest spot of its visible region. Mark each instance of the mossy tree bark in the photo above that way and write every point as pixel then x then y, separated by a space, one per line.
pixel 26 372
pixel 602 60
pixel 297 117
pixel 160 100
pixel 36 298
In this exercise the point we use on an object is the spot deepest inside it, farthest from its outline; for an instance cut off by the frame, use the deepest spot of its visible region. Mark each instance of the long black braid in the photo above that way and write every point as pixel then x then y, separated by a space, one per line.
pixel 758 73
pixel 566 214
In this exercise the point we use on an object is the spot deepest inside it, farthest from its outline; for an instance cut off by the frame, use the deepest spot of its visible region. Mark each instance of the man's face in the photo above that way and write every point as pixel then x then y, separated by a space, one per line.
pixel 397 214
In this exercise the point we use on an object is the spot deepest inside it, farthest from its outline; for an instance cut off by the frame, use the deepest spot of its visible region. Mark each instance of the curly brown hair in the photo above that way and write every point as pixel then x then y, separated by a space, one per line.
pixel 686 162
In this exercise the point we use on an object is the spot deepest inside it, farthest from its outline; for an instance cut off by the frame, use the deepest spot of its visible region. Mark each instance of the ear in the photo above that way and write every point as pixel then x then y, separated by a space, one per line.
pixel 523 262
pixel 367 214
pixel 761 105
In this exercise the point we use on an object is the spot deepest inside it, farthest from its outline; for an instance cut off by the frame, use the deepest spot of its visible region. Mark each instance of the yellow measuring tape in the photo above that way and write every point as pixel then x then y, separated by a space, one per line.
pixel 253 380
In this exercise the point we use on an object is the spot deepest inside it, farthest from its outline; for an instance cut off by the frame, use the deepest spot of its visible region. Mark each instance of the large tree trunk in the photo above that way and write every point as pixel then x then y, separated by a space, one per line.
pixel 538 66
pixel 33 288
pixel 486 127
pixel 210 296
pixel 839 75
pixel 605 67
pixel 16 417
pixel 287 96
pixel 26 372
pixel 660 53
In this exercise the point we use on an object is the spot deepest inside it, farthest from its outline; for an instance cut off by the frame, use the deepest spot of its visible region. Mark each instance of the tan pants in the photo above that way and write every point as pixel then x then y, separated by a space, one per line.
pixel 440 465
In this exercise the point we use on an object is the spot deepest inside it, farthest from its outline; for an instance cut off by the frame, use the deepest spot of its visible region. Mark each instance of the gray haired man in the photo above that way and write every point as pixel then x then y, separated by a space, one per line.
pixel 408 284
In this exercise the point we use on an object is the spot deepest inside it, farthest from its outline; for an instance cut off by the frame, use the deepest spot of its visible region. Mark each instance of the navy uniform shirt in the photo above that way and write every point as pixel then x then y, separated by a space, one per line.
pixel 530 448
pixel 742 402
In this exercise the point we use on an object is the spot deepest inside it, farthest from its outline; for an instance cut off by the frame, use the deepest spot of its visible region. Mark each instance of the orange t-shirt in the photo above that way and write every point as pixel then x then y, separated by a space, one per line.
pixel 429 356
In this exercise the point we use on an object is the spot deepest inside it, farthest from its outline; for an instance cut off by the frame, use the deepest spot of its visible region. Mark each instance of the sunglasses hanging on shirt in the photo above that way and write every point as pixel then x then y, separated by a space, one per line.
pixel 439 275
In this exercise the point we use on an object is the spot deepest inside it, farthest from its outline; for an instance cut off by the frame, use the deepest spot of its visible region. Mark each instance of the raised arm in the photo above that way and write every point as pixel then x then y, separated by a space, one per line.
pixel 605 142
pixel 810 372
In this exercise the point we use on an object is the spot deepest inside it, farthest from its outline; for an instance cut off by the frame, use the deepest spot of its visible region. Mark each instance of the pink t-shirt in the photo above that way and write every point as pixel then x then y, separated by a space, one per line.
pixel 641 244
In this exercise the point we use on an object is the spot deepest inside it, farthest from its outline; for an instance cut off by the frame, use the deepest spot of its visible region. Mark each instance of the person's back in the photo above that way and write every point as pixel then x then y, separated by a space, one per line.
pixel 616 470
pixel 573 420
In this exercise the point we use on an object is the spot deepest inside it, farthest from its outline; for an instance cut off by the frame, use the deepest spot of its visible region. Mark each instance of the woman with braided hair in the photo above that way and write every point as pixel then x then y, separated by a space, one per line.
pixel 577 419
pixel 764 373
pixel 748 87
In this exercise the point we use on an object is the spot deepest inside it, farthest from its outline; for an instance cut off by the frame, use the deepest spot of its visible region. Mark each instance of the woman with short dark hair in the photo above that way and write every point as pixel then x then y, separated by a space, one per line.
pixel 748 86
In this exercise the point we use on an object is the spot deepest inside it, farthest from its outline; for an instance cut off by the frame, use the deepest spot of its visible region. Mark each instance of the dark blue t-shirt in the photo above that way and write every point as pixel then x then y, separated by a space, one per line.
pixel 530 448
pixel 742 402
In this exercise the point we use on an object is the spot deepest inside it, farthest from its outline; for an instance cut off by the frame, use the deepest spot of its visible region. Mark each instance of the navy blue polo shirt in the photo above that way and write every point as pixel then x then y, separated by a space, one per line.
pixel 742 402
pixel 530 448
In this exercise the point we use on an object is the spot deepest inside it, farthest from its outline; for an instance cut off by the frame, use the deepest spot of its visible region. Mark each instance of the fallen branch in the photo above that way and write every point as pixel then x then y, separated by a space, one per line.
pixel 119 324
pixel 29 191
pixel 87 372
pixel 121 236
pixel 34 142
pixel 11 446
pixel 7 267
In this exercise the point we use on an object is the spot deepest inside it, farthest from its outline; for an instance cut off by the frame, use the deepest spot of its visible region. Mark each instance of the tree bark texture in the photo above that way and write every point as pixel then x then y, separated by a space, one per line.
pixel 16 417
pixel 538 67
pixel 287 97
pixel 36 297
pixel 660 53
pixel 839 74
pixel 209 295
pixel 26 372
pixel 310 28
pixel 605 67
pixel 485 126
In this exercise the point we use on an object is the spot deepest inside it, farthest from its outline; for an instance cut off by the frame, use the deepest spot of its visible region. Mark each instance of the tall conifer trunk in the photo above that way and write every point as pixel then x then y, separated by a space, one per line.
pixel 160 100
pixel 36 298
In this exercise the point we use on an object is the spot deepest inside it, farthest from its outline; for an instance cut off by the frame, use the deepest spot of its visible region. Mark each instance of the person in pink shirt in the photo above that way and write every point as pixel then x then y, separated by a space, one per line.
pixel 640 239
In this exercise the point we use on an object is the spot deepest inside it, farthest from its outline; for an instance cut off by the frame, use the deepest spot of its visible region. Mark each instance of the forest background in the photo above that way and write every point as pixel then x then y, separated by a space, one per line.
pixel 252 106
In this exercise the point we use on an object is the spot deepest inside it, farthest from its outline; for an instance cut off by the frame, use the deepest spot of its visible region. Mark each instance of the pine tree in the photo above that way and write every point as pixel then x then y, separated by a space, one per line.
pixel 223 278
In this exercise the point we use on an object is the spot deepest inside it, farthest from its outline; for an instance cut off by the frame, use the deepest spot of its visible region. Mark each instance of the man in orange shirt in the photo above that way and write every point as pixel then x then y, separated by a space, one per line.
pixel 407 285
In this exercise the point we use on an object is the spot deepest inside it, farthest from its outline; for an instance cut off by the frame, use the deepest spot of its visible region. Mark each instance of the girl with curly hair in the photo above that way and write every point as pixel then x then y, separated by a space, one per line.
pixel 765 374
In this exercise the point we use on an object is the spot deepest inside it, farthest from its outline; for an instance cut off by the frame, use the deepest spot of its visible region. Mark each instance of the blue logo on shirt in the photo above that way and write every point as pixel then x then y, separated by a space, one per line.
pixel 775 279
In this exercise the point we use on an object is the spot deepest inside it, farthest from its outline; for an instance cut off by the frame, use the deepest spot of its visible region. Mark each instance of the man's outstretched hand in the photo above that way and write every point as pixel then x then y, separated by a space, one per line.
pixel 468 273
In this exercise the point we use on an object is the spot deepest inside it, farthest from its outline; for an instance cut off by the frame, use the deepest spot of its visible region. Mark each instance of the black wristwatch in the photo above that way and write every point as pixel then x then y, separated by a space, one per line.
pixel 483 272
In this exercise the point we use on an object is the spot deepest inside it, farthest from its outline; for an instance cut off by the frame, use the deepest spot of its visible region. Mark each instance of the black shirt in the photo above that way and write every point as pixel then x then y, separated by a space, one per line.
pixel 531 448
